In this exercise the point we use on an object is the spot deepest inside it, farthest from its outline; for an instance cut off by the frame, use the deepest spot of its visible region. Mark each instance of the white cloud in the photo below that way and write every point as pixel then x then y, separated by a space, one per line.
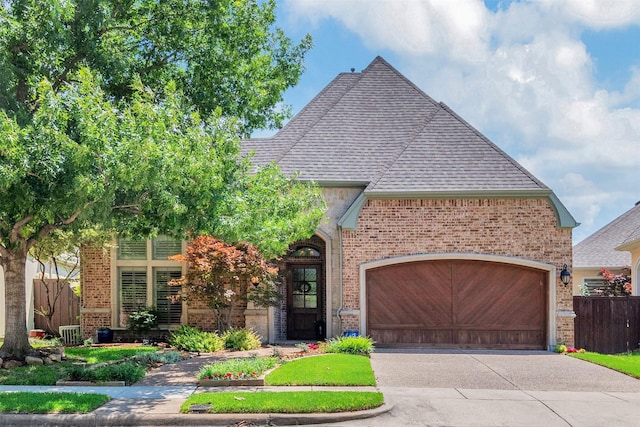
pixel 524 77
pixel 597 14
pixel 411 27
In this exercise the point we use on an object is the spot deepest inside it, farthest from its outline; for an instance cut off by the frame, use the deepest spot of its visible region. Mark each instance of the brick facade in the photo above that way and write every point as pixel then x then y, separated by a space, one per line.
pixel 523 228
pixel 518 227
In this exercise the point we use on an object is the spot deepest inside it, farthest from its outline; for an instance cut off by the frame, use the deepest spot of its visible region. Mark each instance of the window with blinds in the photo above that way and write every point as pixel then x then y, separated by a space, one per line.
pixel 132 249
pixel 169 313
pixel 163 247
pixel 590 285
pixel 133 291
pixel 143 273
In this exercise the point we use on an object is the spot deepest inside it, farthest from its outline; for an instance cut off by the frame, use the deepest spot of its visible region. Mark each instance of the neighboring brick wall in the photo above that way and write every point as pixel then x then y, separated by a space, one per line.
pixel 523 228
pixel 95 297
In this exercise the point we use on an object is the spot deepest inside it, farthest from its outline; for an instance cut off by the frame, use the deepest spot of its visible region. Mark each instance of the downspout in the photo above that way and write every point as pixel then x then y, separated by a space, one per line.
pixel 340 284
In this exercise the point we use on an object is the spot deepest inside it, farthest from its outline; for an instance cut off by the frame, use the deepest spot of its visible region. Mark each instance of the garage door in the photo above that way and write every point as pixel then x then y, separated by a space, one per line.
pixel 457 303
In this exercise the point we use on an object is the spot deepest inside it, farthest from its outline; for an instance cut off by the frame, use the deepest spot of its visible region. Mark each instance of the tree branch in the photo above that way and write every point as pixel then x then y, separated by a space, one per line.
pixel 14 234
pixel 67 69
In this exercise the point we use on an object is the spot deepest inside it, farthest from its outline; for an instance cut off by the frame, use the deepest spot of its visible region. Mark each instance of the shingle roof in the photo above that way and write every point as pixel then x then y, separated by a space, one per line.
pixel 598 250
pixel 378 129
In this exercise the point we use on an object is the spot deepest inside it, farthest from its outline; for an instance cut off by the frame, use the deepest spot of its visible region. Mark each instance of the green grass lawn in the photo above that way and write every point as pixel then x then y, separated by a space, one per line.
pixel 106 354
pixel 329 369
pixel 626 363
pixel 50 403
pixel 287 402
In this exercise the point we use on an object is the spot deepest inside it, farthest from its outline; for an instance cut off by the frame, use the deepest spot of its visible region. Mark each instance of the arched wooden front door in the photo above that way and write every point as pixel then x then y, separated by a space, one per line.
pixel 305 290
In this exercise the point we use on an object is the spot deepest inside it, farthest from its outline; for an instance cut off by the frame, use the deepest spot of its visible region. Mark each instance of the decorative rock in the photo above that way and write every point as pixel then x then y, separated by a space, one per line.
pixel 55 357
pixel 31 360
pixel 10 364
pixel 48 361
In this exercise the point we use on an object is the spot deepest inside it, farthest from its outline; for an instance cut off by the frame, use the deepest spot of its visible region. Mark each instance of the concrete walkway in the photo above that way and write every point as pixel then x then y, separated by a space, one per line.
pixel 500 388
pixel 421 388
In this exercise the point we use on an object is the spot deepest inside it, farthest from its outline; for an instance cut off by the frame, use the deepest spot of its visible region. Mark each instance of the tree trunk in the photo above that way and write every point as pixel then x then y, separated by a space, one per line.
pixel 16 339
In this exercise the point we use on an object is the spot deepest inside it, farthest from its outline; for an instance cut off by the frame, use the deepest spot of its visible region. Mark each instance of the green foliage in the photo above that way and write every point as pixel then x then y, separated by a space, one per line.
pixel 192 339
pixel 241 339
pixel 352 345
pixel 325 370
pixel 627 363
pixel 226 276
pixel 151 359
pixel 88 89
pixel 22 402
pixel 233 369
pixel 143 320
pixel 129 372
pixel 225 54
pixel 285 402
pixel 560 348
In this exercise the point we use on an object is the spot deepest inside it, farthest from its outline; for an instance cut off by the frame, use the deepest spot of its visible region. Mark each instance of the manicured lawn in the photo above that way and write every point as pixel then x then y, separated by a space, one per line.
pixel 626 363
pixel 285 402
pixel 328 369
pixel 105 354
pixel 50 403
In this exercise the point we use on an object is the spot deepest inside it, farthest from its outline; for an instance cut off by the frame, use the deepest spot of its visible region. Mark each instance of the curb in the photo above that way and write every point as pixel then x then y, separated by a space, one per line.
pixel 99 420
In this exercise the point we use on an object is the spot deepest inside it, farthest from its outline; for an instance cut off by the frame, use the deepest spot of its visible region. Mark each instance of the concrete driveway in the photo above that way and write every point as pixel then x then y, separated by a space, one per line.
pixel 500 388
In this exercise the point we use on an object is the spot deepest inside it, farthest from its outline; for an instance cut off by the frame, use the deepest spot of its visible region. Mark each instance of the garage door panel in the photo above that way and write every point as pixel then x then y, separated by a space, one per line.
pixel 457 303
pixel 404 335
pixel 425 298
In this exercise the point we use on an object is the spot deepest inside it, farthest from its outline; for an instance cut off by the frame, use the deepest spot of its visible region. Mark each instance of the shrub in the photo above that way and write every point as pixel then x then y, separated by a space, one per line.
pixel 241 339
pixel 143 320
pixel 129 372
pixel 192 339
pixel 150 359
pixel 350 345
pixel 232 369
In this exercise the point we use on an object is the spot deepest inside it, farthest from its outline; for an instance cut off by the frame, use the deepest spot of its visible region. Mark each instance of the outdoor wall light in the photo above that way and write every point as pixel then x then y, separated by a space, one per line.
pixel 565 276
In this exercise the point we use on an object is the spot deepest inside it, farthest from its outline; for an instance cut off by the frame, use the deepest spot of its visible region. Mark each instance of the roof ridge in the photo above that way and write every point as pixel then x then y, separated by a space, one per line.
pixel 605 228
pixel 405 146
pixel 324 113
pixel 402 76
pixel 494 146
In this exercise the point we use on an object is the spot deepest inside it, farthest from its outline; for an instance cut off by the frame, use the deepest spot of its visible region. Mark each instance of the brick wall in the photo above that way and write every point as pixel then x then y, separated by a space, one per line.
pixel 95 298
pixel 523 228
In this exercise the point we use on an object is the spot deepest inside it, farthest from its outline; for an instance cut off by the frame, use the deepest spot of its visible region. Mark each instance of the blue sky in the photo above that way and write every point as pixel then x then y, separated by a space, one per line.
pixel 554 84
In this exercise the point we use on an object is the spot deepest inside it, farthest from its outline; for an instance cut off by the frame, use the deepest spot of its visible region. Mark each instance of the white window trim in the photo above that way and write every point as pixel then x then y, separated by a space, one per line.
pixel 148 264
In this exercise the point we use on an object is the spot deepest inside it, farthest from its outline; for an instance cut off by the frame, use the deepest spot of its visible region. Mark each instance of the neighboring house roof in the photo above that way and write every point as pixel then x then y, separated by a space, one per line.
pixel 376 129
pixel 599 249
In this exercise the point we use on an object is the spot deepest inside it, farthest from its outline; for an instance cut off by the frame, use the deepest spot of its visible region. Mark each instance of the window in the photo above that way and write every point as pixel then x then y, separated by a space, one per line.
pixel 143 274
pixel 305 287
pixel 590 285
pixel 306 252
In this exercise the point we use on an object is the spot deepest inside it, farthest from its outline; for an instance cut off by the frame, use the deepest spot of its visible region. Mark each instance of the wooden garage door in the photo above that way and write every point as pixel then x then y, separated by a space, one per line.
pixel 457 303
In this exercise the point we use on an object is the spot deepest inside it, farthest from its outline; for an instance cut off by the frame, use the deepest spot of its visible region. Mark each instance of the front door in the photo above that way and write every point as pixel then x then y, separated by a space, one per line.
pixel 304 301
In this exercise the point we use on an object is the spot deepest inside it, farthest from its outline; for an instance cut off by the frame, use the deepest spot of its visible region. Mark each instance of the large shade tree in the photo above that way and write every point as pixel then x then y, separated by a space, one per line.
pixel 124 116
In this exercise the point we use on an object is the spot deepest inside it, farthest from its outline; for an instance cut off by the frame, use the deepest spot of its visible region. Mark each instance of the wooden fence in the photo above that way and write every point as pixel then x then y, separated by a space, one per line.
pixel 67 308
pixel 607 324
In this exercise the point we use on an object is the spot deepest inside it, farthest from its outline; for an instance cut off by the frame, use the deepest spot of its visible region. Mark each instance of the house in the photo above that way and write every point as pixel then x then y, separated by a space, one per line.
pixel 616 247
pixel 433 235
